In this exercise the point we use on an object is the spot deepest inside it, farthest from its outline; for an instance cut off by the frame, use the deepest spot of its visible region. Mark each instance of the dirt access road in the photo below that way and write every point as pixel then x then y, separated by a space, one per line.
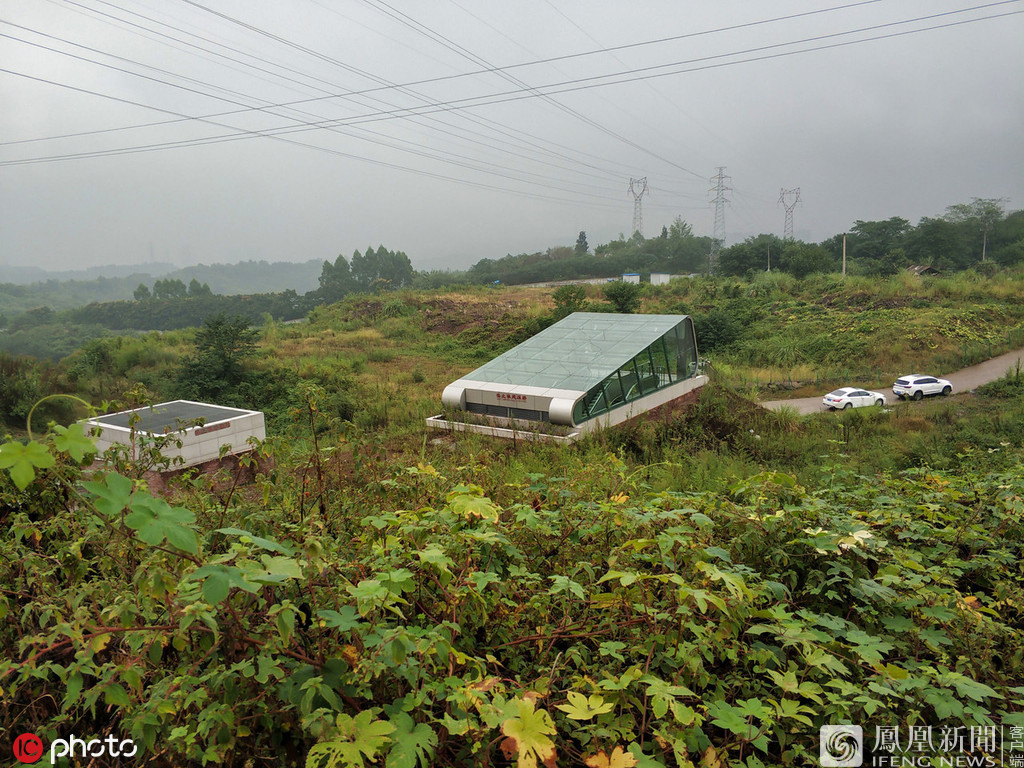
pixel 962 381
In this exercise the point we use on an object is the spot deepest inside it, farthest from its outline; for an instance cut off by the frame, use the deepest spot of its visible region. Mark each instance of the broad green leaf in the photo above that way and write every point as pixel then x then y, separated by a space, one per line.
pixel 965 686
pixel 475 506
pixel 872 590
pixel 565 584
pixel 218 579
pixel 625 579
pixel 435 556
pixel 719 553
pixel 528 736
pixel 216 587
pixel 581 707
pixel 116 696
pixel 154 521
pixel 366 732
pixel 731 718
pixel 358 739
pixel 22 461
pixel 345 619
pixel 259 541
pixel 642 760
pixel 369 589
pixel 279 567
pixel 702 520
pixel 111 495
pixel 74 688
pixel 73 441
pixel 413 743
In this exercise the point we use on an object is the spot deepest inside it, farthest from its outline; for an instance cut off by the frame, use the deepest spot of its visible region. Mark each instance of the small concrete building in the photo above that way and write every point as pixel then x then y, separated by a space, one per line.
pixel 631 277
pixel 660 278
pixel 202 428
pixel 590 369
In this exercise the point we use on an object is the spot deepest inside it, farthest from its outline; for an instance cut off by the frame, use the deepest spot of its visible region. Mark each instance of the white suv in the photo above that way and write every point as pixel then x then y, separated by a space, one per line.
pixel 917 386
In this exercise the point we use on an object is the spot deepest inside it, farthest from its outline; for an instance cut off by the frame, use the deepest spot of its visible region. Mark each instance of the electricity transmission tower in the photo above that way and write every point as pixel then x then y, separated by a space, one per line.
pixel 718 235
pixel 789 198
pixel 638 188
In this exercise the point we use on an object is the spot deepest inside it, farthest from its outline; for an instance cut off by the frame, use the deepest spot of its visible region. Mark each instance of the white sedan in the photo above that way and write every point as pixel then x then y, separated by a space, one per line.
pixel 851 397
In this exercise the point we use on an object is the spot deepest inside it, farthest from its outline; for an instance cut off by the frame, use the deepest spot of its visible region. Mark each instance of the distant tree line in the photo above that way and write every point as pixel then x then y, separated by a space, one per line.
pixel 172 288
pixel 977 235
pixel 676 250
pixel 165 312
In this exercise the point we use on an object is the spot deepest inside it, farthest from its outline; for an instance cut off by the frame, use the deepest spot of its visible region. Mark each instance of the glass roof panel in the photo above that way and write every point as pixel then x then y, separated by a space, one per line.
pixel 577 352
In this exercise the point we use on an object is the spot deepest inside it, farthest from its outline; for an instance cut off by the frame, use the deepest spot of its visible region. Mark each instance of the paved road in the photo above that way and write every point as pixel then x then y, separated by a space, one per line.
pixel 962 381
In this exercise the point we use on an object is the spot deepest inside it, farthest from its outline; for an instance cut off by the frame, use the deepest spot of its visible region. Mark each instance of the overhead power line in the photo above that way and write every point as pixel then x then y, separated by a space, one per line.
pixel 506 96
pixel 435 80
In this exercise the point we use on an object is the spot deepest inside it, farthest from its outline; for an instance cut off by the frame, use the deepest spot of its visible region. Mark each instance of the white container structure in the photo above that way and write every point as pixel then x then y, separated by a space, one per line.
pixel 660 278
pixel 588 370
pixel 202 428
pixel 631 277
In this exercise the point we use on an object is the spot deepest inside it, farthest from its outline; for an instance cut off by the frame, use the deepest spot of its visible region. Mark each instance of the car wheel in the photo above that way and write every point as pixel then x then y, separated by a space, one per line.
pixel 946 390
pixel 848 405
pixel 918 394
pixel 879 402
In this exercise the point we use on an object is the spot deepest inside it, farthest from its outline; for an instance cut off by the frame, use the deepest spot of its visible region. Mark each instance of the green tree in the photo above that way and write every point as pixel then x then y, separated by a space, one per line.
pixel 679 229
pixel 381 269
pixel 1008 240
pixel 336 280
pixel 717 329
pixel 170 289
pixel 142 293
pixel 981 213
pixel 939 243
pixel 624 297
pixel 195 289
pixel 751 255
pixel 873 239
pixel 218 366
pixel 802 259
pixel 581 244
pixel 569 299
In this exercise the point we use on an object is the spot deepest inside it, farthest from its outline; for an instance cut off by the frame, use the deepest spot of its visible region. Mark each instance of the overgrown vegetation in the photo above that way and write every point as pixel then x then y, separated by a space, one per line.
pixel 471 608
pixel 704 588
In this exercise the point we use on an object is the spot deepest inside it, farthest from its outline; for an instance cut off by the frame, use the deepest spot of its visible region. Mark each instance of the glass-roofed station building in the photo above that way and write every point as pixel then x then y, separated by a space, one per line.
pixel 589 370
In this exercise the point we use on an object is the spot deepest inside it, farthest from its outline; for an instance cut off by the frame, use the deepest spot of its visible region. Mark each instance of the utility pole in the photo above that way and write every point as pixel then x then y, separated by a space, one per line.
pixel 718 234
pixel 638 188
pixel 844 254
pixel 788 198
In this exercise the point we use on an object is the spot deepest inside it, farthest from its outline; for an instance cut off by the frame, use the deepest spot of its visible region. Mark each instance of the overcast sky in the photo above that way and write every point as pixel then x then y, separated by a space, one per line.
pixel 454 130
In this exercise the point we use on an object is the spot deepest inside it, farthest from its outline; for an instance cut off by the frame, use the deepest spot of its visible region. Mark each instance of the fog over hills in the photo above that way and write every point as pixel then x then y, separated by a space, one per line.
pixel 241 278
